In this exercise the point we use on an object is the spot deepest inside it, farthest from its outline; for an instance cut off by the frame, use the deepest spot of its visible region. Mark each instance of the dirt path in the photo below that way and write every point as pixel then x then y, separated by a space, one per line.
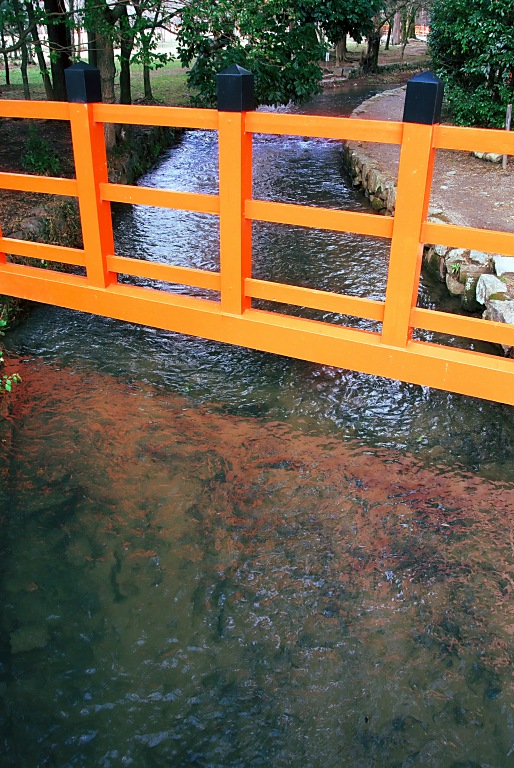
pixel 469 191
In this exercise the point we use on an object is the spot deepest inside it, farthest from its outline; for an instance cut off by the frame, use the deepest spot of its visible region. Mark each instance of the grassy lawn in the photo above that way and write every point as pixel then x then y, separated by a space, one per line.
pixel 168 84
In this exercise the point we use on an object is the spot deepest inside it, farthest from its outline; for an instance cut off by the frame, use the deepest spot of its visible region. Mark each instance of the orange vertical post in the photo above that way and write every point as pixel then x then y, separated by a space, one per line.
pixel 422 111
pixel 235 98
pixel 3 257
pixel 83 85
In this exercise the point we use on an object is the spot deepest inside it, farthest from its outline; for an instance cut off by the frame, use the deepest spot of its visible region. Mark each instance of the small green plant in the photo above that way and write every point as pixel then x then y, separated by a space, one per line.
pixel 455 269
pixel 40 157
pixel 7 380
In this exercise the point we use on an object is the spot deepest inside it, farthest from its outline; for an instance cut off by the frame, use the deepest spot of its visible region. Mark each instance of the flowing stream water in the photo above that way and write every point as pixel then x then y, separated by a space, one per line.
pixel 222 558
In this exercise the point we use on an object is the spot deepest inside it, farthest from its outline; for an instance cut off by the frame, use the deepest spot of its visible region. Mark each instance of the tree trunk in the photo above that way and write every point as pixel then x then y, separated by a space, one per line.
pixel 23 49
pixel 147 83
pixel 105 63
pixel 59 41
pixel 24 73
pixel 341 52
pixel 411 26
pixel 396 37
pixel 6 59
pixel 126 45
pixel 92 53
pixel 369 58
pixel 71 28
pixel 39 52
pixel 388 40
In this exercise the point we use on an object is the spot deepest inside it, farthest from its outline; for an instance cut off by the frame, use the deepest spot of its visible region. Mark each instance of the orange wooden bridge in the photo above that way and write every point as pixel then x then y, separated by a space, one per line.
pixel 390 351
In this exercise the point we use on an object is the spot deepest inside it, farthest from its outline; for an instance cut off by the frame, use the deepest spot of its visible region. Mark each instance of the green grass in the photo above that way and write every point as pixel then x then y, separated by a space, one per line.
pixel 168 84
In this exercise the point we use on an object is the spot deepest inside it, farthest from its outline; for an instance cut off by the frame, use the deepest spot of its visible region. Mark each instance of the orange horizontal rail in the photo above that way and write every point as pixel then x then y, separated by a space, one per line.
pixel 43 110
pixel 313 299
pixel 196 278
pixel 170 117
pixel 50 185
pixel 487 240
pixel 160 198
pixel 231 318
pixel 474 139
pixel 466 372
pixel 460 325
pixel 43 251
pixel 319 218
pixel 342 128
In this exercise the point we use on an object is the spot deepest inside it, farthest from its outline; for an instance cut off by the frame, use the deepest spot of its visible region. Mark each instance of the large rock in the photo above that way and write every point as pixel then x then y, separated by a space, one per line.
pixel 501 312
pixel 466 267
pixel 454 261
pixel 455 287
pixel 479 257
pixel 503 265
pixel 487 286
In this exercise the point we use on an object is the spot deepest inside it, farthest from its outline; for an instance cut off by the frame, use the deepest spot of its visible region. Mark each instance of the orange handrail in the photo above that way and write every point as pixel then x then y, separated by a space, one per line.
pixel 389 350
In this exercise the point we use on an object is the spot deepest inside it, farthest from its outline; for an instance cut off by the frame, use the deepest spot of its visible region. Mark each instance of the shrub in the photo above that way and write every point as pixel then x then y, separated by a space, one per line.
pixel 472 47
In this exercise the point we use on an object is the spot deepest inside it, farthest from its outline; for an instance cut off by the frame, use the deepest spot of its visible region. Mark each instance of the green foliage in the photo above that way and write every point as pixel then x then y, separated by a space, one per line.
pixel 472 46
pixel 7 381
pixel 280 41
pixel 40 157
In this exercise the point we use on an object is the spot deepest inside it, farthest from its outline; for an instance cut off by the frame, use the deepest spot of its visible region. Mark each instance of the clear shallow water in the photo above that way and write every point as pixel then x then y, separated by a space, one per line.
pixel 217 557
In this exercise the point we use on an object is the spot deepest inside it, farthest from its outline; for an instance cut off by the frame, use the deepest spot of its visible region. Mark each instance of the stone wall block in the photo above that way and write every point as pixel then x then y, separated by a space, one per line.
pixel 487 286
pixel 501 312
pixel 453 261
pixel 468 299
pixel 455 287
pixel 391 198
pixel 479 257
pixel 373 177
pixel 365 174
pixel 434 261
pixel 473 271
pixel 503 265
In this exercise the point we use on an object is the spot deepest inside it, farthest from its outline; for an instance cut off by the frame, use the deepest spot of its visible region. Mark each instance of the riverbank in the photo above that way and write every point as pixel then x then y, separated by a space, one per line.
pixel 466 190
pixel 50 219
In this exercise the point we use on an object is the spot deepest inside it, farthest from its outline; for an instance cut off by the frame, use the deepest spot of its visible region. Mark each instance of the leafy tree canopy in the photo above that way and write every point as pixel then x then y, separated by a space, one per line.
pixel 280 41
pixel 472 45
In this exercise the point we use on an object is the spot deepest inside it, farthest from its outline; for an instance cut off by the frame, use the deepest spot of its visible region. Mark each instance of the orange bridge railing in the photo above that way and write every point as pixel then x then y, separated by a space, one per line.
pixel 389 351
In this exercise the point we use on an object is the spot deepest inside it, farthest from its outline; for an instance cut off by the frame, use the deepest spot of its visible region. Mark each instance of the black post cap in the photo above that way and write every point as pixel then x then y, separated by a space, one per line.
pixel 424 99
pixel 235 87
pixel 83 83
